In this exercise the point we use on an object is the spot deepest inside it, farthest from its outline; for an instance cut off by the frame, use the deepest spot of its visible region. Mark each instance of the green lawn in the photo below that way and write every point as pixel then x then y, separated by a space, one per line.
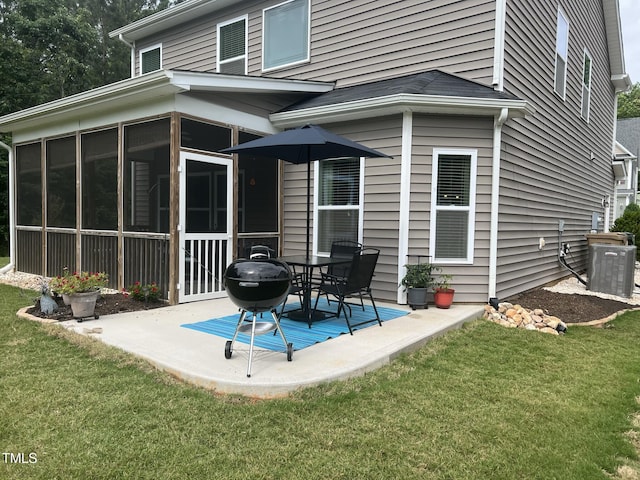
pixel 483 402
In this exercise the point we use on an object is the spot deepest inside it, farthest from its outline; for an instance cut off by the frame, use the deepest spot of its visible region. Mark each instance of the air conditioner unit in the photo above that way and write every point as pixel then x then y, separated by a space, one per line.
pixel 611 269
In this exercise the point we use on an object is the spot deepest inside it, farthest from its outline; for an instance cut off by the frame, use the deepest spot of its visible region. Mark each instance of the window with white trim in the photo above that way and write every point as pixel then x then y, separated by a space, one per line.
pixel 562 54
pixel 232 46
pixel 150 59
pixel 586 86
pixel 453 194
pixel 339 201
pixel 285 34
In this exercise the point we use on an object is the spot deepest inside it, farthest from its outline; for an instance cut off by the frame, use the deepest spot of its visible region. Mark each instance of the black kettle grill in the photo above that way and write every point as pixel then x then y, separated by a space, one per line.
pixel 257 286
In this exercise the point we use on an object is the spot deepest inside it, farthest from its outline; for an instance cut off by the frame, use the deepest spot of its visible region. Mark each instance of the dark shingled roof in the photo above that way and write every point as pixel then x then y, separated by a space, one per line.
pixel 433 82
pixel 628 134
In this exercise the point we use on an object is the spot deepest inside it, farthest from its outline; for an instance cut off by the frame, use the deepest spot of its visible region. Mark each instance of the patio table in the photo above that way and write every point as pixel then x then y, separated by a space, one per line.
pixel 309 263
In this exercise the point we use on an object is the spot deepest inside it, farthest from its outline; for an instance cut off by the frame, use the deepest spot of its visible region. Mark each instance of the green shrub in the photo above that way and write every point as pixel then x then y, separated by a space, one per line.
pixel 629 222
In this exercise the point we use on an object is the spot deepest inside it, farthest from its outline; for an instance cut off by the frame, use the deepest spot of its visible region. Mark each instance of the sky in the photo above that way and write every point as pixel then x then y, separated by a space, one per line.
pixel 630 16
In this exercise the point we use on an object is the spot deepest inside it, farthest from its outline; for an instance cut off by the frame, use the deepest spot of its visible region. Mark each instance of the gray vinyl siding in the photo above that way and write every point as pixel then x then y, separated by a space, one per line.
pixel 392 39
pixel 547 174
pixel 472 133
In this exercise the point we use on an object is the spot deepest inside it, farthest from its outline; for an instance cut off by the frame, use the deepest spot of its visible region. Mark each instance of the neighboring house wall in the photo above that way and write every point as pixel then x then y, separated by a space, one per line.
pixel 397 39
pixel 555 165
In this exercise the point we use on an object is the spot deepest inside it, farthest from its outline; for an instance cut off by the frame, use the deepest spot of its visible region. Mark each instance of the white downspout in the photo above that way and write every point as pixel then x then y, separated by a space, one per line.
pixel 12 227
pixel 405 197
pixel 495 200
pixel 498 45
pixel 132 46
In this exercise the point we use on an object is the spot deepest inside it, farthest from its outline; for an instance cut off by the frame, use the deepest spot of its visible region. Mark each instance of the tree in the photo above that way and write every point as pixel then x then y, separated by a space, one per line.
pixel 53 48
pixel 629 103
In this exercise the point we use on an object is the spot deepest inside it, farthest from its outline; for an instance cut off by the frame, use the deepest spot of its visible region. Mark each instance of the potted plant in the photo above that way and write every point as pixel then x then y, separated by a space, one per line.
pixel 443 293
pixel 81 290
pixel 417 280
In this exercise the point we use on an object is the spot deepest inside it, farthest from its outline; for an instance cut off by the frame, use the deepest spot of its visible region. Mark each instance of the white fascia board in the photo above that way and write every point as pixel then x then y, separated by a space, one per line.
pixel 217 82
pixel 125 92
pixel 394 104
pixel 148 88
pixel 169 17
pixel 619 169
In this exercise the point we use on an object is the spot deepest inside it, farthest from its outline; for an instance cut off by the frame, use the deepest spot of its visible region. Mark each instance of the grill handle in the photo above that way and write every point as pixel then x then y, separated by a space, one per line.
pixel 248 284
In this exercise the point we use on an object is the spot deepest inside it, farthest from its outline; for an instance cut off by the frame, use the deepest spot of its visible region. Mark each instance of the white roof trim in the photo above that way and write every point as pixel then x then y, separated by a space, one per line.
pixel 619 77
pixel 146 88
pixel 169 17
pixel 394 104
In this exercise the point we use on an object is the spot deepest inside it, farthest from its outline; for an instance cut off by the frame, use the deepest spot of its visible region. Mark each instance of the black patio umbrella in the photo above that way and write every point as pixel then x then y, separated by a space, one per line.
pixel 305 145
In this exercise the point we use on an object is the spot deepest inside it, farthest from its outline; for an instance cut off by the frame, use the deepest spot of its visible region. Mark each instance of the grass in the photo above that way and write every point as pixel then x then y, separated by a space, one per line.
pixel 483 402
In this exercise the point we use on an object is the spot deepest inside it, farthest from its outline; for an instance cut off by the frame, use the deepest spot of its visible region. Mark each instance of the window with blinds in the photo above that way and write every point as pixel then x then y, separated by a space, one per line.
pixel 232 46
pixel 562 52
pixel 339 190
pixel 150 59
pixel 285 34
pixel 453 206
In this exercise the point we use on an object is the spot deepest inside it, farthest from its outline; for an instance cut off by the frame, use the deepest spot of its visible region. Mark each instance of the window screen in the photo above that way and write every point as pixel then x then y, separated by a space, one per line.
pixel 452 210
pixel 586 86
pixel 150 60
pixel 286 34
pixel 562 52
pixel 232 47
pixel 339 201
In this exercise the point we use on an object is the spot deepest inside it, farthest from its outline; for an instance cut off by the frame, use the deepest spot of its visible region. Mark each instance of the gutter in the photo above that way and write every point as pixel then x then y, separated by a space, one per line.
pixel 400 103
pixel 132 47
pixel 495 200
pixel 12 230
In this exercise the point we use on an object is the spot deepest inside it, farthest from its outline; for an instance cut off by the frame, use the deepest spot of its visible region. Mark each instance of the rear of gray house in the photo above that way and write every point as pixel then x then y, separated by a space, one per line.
pixel 499 117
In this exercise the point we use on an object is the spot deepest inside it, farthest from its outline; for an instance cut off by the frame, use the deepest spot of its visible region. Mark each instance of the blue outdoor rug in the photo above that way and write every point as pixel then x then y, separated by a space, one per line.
pixel 297 332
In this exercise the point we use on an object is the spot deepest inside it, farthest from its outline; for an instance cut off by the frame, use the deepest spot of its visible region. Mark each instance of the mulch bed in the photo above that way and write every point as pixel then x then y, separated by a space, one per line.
pixel 107 304
pixel 570 308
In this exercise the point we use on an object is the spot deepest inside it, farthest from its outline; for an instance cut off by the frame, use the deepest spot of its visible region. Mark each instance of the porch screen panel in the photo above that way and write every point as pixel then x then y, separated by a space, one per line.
pixel 258 191
pixel 204 136
pixel 338 201
pixel 61 182
pixel 146 176
pixel 29 185
pixel 100 180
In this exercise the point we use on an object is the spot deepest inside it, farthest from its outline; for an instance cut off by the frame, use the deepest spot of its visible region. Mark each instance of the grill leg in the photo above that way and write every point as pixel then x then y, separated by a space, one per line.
pixel 253 334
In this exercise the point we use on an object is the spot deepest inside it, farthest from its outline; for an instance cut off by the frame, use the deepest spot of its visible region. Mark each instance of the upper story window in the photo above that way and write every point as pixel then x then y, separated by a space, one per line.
pixel 150 59
pixel 285 34
pixel 232 46
pixel 562 53
pixel 453 196
pixel 586 86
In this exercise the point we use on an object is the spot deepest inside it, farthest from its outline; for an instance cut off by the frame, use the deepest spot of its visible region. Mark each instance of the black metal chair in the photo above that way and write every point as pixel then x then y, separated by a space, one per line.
pixel 341 249
pixel 357 282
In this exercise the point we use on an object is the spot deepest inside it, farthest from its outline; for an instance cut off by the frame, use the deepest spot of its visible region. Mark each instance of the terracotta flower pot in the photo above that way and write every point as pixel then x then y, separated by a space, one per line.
pixel 443 297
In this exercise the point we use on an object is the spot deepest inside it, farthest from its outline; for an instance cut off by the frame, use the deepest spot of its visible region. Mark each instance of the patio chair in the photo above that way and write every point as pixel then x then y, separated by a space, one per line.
pixel 357 282
pixel 341 249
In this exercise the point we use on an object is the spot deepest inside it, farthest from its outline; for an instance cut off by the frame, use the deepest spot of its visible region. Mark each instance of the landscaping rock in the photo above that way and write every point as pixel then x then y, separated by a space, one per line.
pixel 516 316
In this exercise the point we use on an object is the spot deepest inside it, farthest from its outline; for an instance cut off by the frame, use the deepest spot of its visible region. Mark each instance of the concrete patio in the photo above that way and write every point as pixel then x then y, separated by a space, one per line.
pixel 156 336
